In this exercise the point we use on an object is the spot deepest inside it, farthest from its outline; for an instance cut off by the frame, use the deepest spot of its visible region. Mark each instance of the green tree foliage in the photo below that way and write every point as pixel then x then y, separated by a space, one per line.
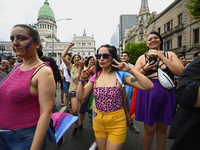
pixel 194 9
pixel 136 49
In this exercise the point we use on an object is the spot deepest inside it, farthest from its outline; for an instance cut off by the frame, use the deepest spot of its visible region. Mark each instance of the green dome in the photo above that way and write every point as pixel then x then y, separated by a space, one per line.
pixel 46 11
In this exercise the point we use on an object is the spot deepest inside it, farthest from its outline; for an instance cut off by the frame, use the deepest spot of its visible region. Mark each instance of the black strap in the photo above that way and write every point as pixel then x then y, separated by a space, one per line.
pixel 160 59
pixel 146 58
pixel 37 71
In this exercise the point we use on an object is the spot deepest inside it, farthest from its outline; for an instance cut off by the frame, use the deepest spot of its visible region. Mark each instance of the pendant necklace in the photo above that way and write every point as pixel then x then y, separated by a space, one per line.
pixel 32 65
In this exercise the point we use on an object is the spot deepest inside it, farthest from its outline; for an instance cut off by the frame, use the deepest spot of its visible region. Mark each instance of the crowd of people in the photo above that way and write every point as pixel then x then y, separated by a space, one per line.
pixel 103 86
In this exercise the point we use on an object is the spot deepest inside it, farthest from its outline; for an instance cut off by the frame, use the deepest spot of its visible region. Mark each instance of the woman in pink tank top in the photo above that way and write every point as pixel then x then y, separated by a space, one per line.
pixel 27 95
pixel 109 118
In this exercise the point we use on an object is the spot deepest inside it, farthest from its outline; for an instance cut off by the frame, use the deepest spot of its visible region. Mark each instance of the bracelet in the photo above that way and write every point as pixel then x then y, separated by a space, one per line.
pixel 144 69
pixel 82 79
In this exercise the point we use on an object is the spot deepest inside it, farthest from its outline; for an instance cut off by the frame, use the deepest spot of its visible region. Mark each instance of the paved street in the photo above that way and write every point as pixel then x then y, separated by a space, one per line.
pixel 83 141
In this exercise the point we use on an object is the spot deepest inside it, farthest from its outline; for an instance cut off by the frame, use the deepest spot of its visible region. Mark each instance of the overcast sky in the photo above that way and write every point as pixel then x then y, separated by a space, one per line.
pixel 98 17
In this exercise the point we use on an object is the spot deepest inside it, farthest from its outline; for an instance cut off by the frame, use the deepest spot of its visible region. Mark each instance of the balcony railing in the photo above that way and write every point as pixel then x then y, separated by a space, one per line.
pixel 178 28
pixel 141 32
pixel 179 49
pixel 167 33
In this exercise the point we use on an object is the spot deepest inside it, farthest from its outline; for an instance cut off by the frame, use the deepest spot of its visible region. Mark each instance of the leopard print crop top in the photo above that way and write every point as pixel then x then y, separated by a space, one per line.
pixel 108 99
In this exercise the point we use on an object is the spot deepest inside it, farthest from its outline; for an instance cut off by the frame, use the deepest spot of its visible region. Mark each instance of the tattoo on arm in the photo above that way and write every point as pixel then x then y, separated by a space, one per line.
pixel 133 79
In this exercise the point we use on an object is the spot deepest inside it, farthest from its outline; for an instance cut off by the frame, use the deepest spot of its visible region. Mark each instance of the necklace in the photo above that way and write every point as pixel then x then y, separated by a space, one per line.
pixel 32 65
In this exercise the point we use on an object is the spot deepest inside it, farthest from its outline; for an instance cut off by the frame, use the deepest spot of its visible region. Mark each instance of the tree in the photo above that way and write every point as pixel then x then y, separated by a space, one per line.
pixel 136 49
pixel 194 9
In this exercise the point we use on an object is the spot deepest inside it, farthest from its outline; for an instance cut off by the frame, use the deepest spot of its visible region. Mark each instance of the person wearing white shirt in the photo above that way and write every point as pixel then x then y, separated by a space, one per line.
pixel 66 77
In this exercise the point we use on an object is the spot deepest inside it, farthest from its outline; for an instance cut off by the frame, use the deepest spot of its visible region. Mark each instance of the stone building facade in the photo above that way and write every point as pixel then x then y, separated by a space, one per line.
pixel 84 45
pixel 179 31
pixel 138 32
pixel 52 47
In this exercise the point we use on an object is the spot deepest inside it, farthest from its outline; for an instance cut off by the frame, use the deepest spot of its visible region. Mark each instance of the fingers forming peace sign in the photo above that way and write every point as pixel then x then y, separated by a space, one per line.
pixel 86 72
pixel 121 66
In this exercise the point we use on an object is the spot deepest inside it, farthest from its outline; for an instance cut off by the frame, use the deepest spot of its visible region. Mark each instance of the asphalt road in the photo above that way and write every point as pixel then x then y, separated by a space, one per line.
pixel 83 141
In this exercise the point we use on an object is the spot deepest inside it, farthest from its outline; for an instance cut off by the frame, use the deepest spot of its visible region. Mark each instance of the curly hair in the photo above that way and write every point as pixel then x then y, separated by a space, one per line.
pixel 72 59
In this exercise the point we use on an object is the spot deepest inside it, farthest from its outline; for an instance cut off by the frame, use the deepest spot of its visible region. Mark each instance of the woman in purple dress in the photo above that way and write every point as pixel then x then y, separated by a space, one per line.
pixel 156 107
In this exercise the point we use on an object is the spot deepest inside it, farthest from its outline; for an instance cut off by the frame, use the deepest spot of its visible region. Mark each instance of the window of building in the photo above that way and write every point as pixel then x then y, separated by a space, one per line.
pixel 180 19
pixel 159 30
pixel 141 38
pixel 83 53
pixel 89 44
pixel 179 39
pixel 171 27
pixel 168 26
pixel 89 53
pixel 141 19
pixel 83 44
pixel 78 44
pixel 168 45
pixel 196 35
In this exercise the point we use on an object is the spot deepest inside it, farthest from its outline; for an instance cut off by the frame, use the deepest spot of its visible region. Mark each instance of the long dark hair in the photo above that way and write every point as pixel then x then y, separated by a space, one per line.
pixel 87 62
pixel 112 50
pixel 161 40
pixel 32 33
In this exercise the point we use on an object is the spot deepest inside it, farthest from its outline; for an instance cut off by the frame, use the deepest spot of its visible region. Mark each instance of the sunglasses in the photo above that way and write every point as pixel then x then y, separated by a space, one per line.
pixel 77 58
pixel 124 55
pixel 105 56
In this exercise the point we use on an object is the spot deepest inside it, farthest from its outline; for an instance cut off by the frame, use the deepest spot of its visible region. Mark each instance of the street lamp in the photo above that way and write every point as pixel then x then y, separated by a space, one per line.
pixel 53 33
pixel 2 48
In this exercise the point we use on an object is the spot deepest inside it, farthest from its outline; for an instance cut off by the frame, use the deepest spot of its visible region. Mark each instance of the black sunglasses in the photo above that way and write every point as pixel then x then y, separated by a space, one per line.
pixel 105 55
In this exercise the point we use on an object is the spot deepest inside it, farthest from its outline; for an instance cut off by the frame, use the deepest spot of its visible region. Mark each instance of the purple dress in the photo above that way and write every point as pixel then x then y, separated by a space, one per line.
pixel 156 105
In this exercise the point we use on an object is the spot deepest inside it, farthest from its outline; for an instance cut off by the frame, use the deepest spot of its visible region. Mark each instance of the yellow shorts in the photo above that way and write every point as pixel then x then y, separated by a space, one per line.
pixel 111 125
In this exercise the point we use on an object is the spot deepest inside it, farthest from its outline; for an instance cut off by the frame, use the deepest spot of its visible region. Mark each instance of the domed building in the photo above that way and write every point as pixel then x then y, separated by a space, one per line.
pixel 52 47
pixel 46 24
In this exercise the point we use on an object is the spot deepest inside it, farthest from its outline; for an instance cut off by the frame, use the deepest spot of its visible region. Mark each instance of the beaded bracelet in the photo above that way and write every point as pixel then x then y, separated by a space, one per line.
pixel 82 79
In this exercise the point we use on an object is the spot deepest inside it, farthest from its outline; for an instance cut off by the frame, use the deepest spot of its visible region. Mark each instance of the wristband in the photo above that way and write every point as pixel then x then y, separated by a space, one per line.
pixel 144 69
pixel 82 79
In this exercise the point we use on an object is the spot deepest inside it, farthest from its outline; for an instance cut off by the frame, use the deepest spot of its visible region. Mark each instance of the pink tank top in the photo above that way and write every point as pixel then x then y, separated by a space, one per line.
pixel 19 108
pixel 108 99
